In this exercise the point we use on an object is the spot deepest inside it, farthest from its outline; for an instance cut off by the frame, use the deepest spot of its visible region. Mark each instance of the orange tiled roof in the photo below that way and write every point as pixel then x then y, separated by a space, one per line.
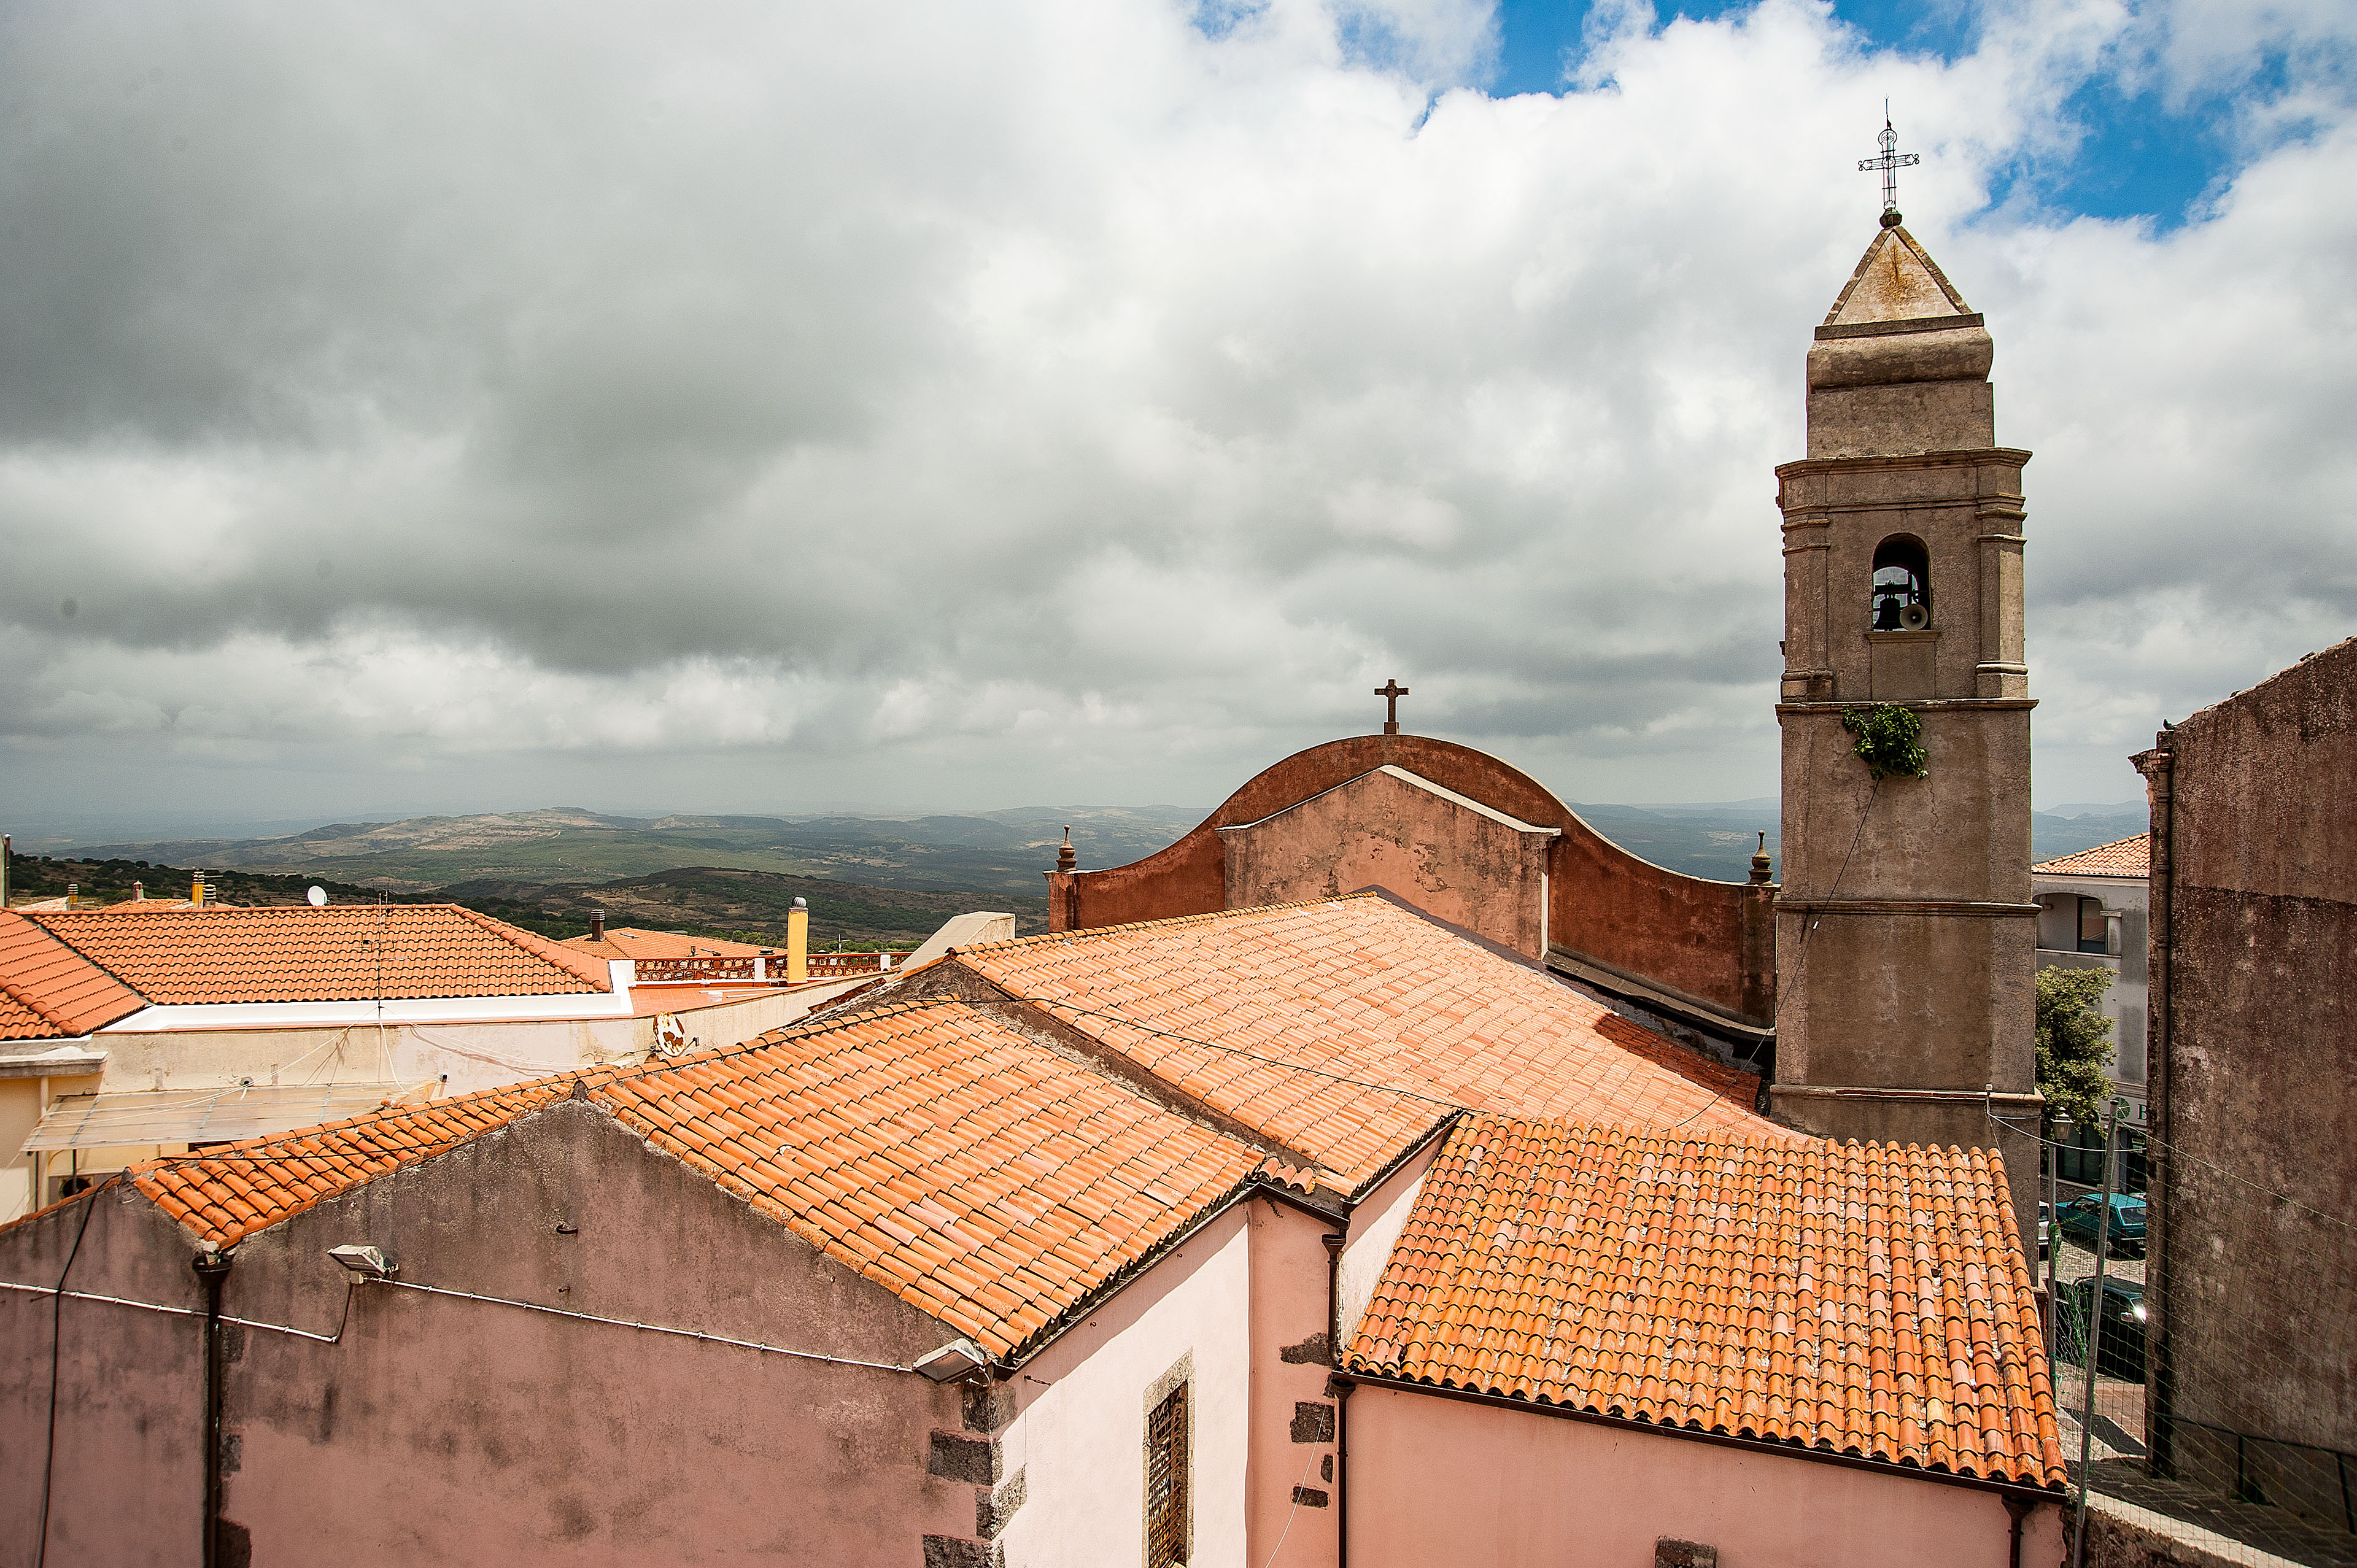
pixel 47 991
pixel 229 1192
pixel 2126 858
pixel 948 1157
pixel 301 954
pixel 629 941
pixel 1864 1299
pixel 1305 1007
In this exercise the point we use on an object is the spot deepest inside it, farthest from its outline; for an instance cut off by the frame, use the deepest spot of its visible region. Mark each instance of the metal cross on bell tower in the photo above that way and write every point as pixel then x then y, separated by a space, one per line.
pixel 1390 690
pixel 1890 163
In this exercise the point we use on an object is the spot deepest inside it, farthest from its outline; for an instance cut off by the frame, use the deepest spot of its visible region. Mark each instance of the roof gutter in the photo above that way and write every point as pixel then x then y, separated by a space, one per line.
pixel 2016 1490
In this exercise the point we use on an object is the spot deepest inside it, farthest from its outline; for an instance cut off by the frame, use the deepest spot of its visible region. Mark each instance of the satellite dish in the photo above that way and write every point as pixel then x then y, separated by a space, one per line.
pixel 319 897
pixel 1915 617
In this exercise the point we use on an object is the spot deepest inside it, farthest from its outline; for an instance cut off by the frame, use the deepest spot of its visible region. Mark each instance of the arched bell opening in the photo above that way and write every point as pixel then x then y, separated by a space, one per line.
pixel 1901 596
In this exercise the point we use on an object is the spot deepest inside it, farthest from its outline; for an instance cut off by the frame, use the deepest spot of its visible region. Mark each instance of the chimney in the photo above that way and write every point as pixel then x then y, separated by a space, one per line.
pixel 138 891
pixel 597 924
pixel 197 890
pixel 5 853
pixel 798 942
pixel 73 895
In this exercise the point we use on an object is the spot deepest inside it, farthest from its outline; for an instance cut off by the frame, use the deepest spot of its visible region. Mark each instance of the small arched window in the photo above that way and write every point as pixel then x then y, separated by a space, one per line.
pixel 1902 584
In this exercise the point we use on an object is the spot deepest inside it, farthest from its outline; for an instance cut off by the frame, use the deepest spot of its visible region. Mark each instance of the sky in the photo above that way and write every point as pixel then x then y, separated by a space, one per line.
pixel 773 407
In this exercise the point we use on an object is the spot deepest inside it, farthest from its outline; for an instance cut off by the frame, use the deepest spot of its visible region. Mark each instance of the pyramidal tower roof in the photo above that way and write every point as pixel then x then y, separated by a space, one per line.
pixel 1896 280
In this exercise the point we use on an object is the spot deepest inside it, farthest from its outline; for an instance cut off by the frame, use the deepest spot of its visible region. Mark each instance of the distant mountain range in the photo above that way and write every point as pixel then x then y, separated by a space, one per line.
pixel 997 852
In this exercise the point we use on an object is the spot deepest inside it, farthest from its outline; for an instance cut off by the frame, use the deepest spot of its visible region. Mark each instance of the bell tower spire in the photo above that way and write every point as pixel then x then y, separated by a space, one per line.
pixel 1905 934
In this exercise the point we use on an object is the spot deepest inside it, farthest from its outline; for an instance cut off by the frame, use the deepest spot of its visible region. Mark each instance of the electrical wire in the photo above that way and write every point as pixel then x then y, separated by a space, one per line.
pixel 2172 1149
pixel 57 1334
pixel 1295 1509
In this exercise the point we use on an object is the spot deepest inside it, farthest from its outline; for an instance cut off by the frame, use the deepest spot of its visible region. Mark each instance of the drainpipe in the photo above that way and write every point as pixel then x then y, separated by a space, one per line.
pixel 1341 1389
pixel 2018 1510
pixel 212 1268
pixel 2158 768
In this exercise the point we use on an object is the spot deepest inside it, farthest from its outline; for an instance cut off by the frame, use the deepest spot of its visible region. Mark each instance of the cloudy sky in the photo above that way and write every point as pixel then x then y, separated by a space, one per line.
pixel 722 406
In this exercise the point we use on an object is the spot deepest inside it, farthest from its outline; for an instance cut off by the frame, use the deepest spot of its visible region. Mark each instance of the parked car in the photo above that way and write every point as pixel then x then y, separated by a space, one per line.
pixel 2081 1217
pixel 2119 1352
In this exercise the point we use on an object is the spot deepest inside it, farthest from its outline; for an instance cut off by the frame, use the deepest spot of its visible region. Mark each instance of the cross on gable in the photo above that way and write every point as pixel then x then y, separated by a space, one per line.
pixel 1891 160
pixel 1390 690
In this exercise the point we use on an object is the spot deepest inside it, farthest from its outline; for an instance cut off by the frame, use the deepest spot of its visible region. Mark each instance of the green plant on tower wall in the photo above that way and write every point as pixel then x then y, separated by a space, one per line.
pixel 1890 740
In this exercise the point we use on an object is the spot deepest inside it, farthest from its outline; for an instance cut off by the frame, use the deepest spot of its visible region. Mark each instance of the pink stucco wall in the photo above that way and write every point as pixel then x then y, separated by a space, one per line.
pixel 1436 1480
pixel 454 1431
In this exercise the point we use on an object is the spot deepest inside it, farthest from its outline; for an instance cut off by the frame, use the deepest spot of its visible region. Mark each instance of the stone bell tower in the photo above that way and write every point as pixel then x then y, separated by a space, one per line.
pixel 1905 935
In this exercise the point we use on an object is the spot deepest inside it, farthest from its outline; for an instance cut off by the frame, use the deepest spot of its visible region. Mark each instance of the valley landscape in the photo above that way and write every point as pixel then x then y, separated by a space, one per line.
pixel 870 881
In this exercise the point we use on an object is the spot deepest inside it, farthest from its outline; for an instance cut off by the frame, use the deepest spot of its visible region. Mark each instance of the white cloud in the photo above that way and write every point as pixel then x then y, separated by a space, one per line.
pixel 1064 400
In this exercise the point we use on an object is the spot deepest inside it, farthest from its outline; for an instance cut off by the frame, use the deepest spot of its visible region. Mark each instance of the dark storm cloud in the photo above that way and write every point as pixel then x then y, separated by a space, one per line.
pixel 899 387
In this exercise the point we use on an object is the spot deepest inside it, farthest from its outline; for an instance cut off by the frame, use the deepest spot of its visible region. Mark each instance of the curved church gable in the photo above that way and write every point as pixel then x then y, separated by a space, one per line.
pixel 1470 840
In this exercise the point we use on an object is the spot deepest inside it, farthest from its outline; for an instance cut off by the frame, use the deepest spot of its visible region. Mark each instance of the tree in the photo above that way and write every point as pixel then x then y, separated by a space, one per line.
pixel 2074 1042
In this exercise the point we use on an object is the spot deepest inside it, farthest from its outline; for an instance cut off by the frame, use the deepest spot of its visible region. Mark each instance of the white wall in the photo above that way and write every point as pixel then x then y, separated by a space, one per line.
pixel 1375 1226
pixel 1080 1438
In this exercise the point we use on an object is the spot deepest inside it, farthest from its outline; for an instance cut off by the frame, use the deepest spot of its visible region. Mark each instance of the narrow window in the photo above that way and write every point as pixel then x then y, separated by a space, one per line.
pixel 2093 930
pixel 1167 1465
pixel 1902 584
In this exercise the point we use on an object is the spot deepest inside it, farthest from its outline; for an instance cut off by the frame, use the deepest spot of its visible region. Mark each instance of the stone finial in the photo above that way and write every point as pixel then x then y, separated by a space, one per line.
pixel 1065 860
pixel 1760 866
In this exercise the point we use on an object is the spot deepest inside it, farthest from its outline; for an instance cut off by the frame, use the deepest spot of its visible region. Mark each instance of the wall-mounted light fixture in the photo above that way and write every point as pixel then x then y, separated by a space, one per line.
pixel 365 1261
pixel 952 1360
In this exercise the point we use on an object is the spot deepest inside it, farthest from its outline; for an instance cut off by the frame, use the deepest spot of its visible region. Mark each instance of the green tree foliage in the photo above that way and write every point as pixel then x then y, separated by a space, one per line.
pixel 2074 1043
pixel 1890 740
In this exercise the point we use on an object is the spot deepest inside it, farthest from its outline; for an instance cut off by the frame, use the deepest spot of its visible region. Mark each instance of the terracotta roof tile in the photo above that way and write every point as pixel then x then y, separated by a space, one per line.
pixel 1867 1299
pixel 1345 1028
pixel 2126 857
pixel 47 991
pixel 946 1155
pixel 629 941
pixel 303 954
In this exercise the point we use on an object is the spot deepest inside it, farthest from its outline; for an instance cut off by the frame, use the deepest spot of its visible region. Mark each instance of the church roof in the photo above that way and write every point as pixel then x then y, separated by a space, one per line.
pixel 2123 857
pixel 1860 1299
pixel 1343 1028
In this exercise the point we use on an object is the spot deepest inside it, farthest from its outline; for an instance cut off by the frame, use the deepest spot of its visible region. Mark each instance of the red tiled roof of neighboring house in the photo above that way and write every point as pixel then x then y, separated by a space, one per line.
pixel 1284 1018
pixel 2126 857
pixel 47 991
pixel 946 1155
pixel 628 941
pixel 1865 1299
pixel 229 1192
pixel 299 953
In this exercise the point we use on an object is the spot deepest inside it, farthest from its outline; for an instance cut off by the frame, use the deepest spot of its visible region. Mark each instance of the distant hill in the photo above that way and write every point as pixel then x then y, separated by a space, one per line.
pixel 1001 850
pixel 748 906
pixel 532 858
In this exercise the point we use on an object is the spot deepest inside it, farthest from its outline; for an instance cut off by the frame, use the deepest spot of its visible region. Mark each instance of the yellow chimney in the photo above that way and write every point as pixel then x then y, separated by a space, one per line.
pixel 73 895
pixel 197 890
pixel 798 942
